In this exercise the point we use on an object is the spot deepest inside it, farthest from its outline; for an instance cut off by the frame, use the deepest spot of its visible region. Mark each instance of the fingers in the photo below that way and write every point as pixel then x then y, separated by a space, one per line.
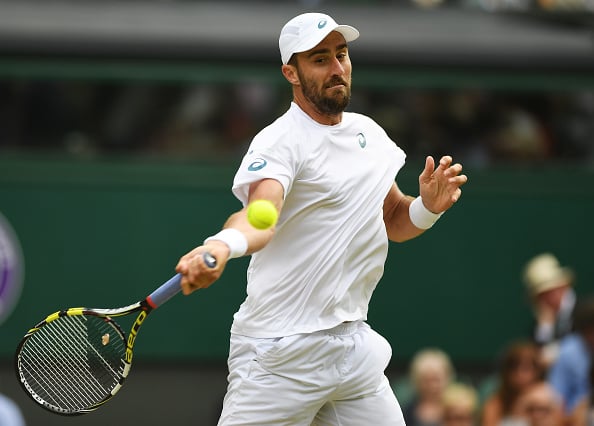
pixel 196 273
pixel 445 167
pixel 456 195
pixel 428 170
pixel 445 162
pixel 182 265
pixel 452 172
pixel 458 180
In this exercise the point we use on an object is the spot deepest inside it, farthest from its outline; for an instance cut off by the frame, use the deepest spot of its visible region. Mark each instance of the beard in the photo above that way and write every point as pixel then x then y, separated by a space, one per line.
pixel 332 104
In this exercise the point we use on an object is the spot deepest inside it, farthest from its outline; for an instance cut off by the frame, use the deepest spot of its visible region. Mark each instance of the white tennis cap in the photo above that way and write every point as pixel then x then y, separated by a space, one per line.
pixel 306 31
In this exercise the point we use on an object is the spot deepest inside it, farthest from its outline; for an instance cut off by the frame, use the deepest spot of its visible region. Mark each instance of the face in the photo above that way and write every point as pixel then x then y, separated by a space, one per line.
pixel 540 407
pixel 324 74
pixel 523 371
pixel 432 379
pixel 458 415
pixel 552 298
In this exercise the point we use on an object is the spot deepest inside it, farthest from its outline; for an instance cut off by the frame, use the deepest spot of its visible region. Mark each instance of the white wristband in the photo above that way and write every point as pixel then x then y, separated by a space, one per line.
pixel 420 216
pixel 234 238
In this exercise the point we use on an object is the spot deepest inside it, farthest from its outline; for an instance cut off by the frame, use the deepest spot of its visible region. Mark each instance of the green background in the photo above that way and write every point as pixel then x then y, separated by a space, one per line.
pixel 105 233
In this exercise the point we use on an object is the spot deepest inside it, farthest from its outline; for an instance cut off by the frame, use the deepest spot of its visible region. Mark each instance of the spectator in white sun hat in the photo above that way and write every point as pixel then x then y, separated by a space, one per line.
pixel 550 288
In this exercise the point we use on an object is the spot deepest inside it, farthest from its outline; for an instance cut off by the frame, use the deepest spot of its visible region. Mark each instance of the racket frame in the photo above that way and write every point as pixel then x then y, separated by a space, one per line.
pixel 143 307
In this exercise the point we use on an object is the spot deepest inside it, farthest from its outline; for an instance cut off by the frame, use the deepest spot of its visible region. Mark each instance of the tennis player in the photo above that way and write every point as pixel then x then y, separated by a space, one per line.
pixel 301 352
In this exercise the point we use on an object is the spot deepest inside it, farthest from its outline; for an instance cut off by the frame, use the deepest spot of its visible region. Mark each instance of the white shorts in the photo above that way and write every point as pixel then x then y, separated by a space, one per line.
pixel 330 377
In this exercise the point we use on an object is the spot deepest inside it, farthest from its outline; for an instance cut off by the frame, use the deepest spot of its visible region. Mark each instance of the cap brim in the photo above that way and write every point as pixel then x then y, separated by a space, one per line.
pixel 349 33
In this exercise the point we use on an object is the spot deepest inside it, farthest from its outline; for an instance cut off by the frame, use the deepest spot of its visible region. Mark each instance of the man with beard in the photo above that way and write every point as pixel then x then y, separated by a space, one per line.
pixel 301 352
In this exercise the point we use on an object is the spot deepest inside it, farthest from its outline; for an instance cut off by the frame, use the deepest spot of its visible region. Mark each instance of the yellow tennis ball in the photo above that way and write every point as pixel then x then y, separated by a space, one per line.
pixel 262 214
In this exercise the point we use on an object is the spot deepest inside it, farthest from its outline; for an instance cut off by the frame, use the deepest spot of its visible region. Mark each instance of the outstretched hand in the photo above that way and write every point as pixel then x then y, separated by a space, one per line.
pixel 440 187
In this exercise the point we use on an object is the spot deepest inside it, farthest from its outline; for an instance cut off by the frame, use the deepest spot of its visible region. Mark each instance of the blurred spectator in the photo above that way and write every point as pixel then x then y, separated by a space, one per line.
pixel 431 371
pixel 214 120
pixel 570 373
pixel 520 368
pixel 460 405
pixel 540 405
pixel 553 299
pixel 566 115
pixel 520 136
pixel 10 413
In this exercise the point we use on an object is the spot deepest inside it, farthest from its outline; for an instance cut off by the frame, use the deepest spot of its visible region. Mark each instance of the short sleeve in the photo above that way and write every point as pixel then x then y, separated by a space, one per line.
pixel 269 162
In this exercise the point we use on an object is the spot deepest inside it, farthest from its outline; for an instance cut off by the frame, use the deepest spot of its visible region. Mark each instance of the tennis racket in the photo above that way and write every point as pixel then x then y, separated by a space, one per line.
pixel 77 359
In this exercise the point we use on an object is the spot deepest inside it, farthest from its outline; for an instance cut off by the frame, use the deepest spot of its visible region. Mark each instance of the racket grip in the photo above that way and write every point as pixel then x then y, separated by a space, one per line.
pixel 165 292
pixel 209 260
pixel 173 285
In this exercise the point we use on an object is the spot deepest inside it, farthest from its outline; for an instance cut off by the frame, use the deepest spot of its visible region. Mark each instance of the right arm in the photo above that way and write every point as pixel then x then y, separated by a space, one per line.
pixel 195 273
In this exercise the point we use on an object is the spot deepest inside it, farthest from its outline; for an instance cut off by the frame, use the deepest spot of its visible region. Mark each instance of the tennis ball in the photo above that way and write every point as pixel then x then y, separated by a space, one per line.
pixel 262 214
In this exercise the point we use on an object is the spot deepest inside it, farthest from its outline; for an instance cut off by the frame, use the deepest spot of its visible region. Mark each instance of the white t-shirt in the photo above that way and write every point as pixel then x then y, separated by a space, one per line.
pixel 330 245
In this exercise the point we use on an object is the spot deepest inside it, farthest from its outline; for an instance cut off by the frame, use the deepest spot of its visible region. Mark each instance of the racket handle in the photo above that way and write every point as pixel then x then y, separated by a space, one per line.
pixel 209 259
pixel 173 285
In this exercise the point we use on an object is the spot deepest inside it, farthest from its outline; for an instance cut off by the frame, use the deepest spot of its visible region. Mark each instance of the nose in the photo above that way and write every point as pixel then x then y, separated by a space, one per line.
pixel 337 67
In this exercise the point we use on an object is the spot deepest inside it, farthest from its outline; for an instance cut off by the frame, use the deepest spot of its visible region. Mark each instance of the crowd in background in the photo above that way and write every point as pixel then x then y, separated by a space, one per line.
pixel 544 378
pixel 205 121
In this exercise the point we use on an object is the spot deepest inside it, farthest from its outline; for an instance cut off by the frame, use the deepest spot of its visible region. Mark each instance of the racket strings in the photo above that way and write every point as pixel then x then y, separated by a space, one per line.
pixel 75 365
pixel 74 362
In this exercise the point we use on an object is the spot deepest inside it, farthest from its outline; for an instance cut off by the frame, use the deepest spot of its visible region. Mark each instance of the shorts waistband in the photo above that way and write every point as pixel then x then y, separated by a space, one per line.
pixel 345 329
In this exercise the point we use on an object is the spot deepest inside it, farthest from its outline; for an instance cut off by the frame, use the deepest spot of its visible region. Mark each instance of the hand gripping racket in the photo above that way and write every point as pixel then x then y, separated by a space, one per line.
pixel 75 360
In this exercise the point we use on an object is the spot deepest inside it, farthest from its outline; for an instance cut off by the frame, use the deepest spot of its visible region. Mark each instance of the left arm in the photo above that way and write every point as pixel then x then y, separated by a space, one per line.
pixel 439 189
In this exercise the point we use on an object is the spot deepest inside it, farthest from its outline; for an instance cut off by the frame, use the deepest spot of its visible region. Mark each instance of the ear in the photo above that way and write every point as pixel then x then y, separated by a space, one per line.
pixel 290 73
